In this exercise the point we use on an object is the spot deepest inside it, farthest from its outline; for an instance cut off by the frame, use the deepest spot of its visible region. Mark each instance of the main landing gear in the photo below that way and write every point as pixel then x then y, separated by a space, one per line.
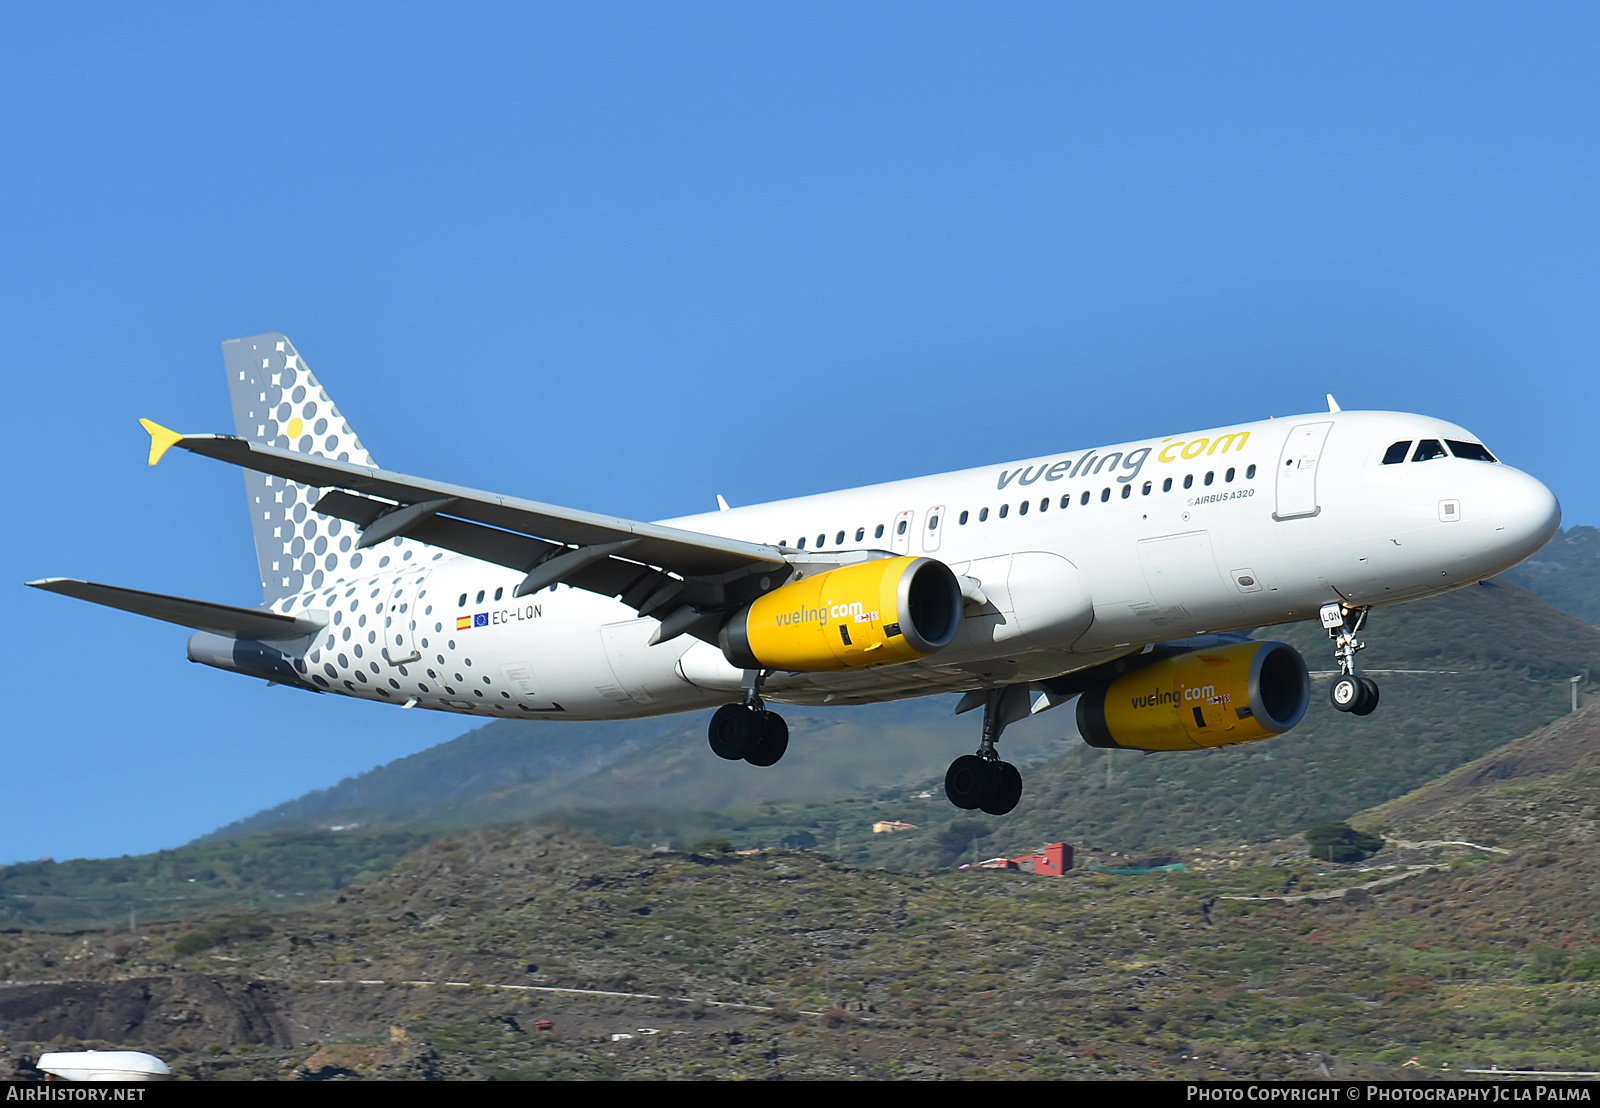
pixel 1349 693
pixel 748 731
pixel 982 780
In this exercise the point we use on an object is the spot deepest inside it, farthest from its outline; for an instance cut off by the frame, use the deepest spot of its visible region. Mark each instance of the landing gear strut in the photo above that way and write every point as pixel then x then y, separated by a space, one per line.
pixel 748 731
pixel 1349 693
pixel 982 780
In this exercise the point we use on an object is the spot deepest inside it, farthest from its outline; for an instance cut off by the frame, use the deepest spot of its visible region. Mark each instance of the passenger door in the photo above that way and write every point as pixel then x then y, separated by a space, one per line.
pixel 1297 471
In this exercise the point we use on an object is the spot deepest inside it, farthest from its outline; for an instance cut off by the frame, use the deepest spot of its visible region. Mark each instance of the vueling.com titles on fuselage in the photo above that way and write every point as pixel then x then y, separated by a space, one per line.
pixel 1129 462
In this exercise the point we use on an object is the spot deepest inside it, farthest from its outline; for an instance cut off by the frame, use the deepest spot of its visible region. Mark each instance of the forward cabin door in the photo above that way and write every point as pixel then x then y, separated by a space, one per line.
pixel 1297 471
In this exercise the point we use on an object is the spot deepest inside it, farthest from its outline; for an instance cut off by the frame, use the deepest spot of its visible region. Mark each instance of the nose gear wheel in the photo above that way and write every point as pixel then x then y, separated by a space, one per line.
pixel 1349 692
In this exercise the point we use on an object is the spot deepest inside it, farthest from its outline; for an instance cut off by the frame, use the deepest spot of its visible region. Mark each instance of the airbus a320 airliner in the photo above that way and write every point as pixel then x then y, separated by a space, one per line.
pixel 1120 575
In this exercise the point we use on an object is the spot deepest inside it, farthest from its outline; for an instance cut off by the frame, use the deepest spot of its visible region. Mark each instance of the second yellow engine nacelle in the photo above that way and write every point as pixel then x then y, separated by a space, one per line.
pixel 1215 696
pixel 870 614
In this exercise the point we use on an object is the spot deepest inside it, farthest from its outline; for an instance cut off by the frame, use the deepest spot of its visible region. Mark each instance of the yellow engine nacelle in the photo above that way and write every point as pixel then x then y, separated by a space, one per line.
pixel 871 614
pixel 1217 696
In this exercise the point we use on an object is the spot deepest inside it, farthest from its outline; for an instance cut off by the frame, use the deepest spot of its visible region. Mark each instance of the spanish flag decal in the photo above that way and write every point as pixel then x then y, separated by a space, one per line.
pixel 463 622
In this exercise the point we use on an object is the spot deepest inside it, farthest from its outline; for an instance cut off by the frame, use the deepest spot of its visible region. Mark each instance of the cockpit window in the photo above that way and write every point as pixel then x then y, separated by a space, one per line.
pixel 1396 453
pixel 1427 450
pixel 1471 451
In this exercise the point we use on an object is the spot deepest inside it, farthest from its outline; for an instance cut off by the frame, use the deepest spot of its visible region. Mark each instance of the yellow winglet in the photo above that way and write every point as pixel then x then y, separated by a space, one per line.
pixel 162 439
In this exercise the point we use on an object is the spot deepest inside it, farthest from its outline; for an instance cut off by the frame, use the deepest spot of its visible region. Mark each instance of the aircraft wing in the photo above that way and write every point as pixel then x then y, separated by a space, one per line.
pixel 221 619
pixel 657 570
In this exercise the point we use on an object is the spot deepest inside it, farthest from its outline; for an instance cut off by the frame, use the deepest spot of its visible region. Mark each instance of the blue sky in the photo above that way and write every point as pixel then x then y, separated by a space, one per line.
pixel 626 257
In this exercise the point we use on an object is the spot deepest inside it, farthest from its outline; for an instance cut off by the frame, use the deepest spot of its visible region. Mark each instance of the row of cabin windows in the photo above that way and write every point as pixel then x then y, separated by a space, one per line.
pixel 838 539
pixel 498 593
pixel 1044 505
pixel 1429 449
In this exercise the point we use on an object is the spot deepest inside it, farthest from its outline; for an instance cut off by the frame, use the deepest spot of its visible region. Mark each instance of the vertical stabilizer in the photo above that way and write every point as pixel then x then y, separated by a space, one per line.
pixel 277 400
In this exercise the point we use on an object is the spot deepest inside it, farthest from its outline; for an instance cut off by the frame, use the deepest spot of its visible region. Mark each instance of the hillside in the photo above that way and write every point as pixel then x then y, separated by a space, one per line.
pixel 654 965
pixel 1541 789
pixel 511 771
pixel 1256 961
pixel 277 870
pixel 1566 573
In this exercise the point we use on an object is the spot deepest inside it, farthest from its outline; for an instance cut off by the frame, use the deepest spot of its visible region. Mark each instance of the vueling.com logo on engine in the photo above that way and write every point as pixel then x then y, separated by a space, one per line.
pixel 855 612
pixel 1189 694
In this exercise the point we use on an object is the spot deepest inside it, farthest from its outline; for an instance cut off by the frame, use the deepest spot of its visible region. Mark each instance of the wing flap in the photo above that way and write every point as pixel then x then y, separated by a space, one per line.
pixel 487 544
pixel 201 615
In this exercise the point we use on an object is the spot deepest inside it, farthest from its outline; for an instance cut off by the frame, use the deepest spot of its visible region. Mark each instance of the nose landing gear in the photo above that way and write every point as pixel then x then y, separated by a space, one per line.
pixel 748 731
pixel 1349 693
pixel 982 780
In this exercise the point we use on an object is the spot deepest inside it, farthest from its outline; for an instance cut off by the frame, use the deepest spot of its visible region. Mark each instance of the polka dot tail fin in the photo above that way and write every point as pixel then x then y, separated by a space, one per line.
pixel 279 402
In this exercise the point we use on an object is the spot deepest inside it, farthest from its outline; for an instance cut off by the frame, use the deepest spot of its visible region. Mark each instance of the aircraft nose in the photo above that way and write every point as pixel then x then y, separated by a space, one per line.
pixel 1526 512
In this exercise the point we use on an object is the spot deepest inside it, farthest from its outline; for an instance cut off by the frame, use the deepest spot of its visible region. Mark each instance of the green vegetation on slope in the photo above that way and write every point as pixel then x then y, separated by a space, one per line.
pixel 1566 573
pixel 1489 960
pixel 276 870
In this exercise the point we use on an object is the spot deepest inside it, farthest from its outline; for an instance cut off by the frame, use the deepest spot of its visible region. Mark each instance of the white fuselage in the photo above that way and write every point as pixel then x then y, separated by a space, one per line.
pixel 1080 557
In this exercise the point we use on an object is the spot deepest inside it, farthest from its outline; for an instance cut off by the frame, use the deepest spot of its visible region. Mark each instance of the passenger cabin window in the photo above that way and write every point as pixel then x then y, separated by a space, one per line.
pixel 1166 486
pixel 1250 473
pixel 900 528
pixel 963 519
pixel 801 545
pixel 1105 494
pixel 1066 499
pixel 878 534
pixel 838 540
pixel 1145 491
pixel 822 540
pixel 1471 451
pixel 1084 499
pixel 1428 450
pixel 1127 490
pixel 983 514
pixel 1396 453
pixel 480 597
pixel 1005 510
pixel 1022 509
pixel 462 603
pixel 1228 476
pixel 1188 480
pixel 861 533
pixel 933 522
pixel 498 593
pixel 1044 504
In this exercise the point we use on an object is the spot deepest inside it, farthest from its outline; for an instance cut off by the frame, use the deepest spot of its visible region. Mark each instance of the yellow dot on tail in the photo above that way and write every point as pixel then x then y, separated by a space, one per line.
pixel 294 427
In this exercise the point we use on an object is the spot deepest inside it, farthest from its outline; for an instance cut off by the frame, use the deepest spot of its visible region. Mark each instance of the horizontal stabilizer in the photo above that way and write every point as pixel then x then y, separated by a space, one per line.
pixel 221 619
